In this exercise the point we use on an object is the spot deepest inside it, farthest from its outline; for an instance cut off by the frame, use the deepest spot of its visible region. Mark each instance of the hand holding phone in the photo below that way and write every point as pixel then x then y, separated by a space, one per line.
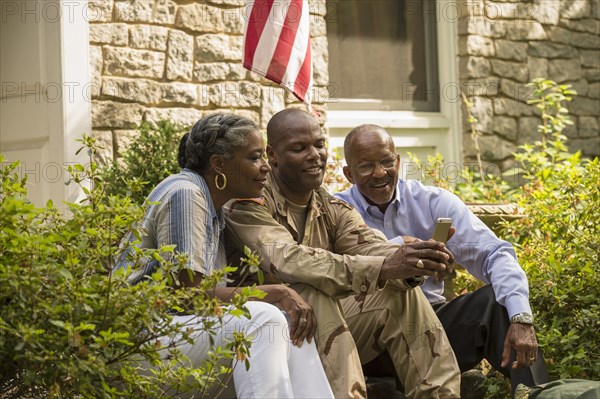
pixel 441 229
pixel 440 233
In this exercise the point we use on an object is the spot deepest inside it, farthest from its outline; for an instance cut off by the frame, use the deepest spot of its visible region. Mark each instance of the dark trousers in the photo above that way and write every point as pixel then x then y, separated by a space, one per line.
pixel 476 326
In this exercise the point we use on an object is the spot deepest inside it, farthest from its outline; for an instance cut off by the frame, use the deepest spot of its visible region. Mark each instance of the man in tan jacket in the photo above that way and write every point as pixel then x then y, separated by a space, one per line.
pixel 361 287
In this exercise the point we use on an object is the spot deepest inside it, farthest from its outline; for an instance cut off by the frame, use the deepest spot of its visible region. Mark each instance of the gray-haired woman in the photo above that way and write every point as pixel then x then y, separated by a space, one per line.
pixel 224 160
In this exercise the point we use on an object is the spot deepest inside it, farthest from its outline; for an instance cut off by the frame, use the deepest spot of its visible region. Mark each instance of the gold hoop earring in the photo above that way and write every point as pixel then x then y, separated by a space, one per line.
pixel 217 181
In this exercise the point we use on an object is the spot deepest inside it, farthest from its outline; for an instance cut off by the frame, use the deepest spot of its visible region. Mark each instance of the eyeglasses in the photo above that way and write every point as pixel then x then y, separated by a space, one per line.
pixel 367 168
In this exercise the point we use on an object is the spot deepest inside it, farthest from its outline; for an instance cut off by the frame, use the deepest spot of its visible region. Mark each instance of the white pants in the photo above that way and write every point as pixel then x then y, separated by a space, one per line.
pixel 278 369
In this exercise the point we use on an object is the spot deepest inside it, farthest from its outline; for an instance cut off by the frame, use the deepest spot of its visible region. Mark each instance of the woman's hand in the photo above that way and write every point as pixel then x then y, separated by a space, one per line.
pixel 303 323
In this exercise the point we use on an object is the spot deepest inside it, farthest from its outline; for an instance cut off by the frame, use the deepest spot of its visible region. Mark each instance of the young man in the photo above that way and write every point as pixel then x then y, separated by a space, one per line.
pixel 360 286
pixel 492 322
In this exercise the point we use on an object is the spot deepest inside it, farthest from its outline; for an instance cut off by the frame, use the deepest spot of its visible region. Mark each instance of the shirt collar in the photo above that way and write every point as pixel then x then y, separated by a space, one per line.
pixel 363 205
pixel 197 179
pixel 281 201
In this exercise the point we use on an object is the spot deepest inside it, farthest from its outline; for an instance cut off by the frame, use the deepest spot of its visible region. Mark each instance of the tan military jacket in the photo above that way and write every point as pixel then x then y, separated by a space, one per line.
pixel 339 254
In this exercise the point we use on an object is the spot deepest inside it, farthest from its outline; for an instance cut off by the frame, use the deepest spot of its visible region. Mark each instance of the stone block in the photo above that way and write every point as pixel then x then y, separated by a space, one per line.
pixel 180 56
pixel 511 50
pixel 551 50
pixel 96 64
pixel 582 106
pixel 594 90
pixel 273 101
pixel 318 26
pixel 99 11
pixel 320 59
pixel 246 113
pixel 132 62
pixel 483 110
pixel 582 25
pixel 476 45
pixel 576 39
pixel 486 87
pixel 538 67
pixel 575 9
pixel 180 93
pixel 511 70
pixel 104 141
pixel 215 48
pixel 591 74
pixel 589 126
pixel 589 147
pixel 155 11
pixel 515 90
pixel 482 26
pixel 474 67
pixel 206 18
pixel 122 140
pixel 320 7
pixel 563 70
pixel 526 30
pixel 590 58
pixel 148 37
pixel 495 148
pixel 580 86
pixel 110 114
pixel 505 126
pixel 546 12
pixel 182 116
pixel 219 71
pixel 233 94
pixel 509 107
pixel 137 90
pixel 107 33
pixel 528 130
pixel 509 10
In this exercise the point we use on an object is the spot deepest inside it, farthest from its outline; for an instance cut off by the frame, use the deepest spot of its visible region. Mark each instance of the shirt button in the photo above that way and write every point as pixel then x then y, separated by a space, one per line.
pixel 363 288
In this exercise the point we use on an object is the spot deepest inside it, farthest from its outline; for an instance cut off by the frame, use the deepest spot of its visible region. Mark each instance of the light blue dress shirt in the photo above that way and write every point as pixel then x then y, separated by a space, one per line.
pixel 184 216
pixel 413 212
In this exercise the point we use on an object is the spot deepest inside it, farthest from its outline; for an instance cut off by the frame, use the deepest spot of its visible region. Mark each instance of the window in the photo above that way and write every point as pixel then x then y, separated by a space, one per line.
pixel 383 55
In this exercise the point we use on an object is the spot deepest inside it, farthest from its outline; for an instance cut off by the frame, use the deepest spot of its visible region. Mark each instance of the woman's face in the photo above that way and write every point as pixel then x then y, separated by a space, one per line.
pixel 247 169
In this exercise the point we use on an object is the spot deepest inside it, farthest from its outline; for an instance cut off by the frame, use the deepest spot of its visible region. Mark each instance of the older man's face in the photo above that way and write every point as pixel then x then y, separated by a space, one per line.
pixel 374 166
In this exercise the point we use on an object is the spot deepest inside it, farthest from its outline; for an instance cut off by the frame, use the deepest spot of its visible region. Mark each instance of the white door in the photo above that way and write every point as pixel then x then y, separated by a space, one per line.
pixel 43 74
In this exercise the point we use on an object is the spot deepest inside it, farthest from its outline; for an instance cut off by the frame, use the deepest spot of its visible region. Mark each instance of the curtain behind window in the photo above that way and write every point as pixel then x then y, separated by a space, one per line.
pixel 382 54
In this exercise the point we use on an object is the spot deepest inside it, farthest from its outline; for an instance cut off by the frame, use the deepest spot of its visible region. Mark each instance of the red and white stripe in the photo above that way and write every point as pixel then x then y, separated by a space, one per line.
pixel 277 44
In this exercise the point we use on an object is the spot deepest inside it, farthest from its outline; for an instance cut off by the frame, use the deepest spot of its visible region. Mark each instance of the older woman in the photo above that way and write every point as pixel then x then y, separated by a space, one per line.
pixel 224 160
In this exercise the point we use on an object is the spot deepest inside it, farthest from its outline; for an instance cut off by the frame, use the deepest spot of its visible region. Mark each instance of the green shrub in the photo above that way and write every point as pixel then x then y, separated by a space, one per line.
pixel 151 157
pixel 69 327
pixel 557 243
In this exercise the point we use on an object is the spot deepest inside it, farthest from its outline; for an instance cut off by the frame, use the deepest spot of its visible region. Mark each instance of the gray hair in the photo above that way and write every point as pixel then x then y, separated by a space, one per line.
pixel 219 134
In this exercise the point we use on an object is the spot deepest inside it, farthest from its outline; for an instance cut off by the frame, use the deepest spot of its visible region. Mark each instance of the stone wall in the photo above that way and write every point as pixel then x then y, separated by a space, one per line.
pixel 505 44
pixel 179 60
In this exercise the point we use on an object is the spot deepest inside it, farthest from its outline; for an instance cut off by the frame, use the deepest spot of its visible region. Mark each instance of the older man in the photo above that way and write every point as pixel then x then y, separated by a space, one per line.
pixel 360 286
pixel 492 322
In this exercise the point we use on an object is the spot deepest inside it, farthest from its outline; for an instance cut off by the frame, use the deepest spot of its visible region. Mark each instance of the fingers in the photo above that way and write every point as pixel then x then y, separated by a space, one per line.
pixel 432 250
pixel 303 328
pixel 506 354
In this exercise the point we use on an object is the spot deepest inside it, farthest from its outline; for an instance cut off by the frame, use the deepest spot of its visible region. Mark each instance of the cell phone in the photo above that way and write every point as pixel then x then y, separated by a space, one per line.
pixel 441 229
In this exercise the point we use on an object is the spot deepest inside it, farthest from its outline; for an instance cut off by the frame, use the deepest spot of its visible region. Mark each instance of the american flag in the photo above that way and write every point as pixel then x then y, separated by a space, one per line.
pixel 277 44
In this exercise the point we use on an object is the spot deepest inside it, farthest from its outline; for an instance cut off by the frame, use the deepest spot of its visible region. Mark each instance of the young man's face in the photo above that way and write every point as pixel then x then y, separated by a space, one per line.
pixel 299 156
pixel 374 166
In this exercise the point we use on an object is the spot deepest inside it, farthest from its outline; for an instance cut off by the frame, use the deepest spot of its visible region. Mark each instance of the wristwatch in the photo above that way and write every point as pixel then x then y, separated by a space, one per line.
pixel 522 318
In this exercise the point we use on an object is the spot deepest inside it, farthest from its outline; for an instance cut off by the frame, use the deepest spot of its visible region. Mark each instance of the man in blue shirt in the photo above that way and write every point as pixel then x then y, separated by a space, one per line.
pixel 494 322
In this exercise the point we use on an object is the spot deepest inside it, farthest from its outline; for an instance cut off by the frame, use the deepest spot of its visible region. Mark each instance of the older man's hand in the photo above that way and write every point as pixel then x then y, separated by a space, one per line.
pixel 521 338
